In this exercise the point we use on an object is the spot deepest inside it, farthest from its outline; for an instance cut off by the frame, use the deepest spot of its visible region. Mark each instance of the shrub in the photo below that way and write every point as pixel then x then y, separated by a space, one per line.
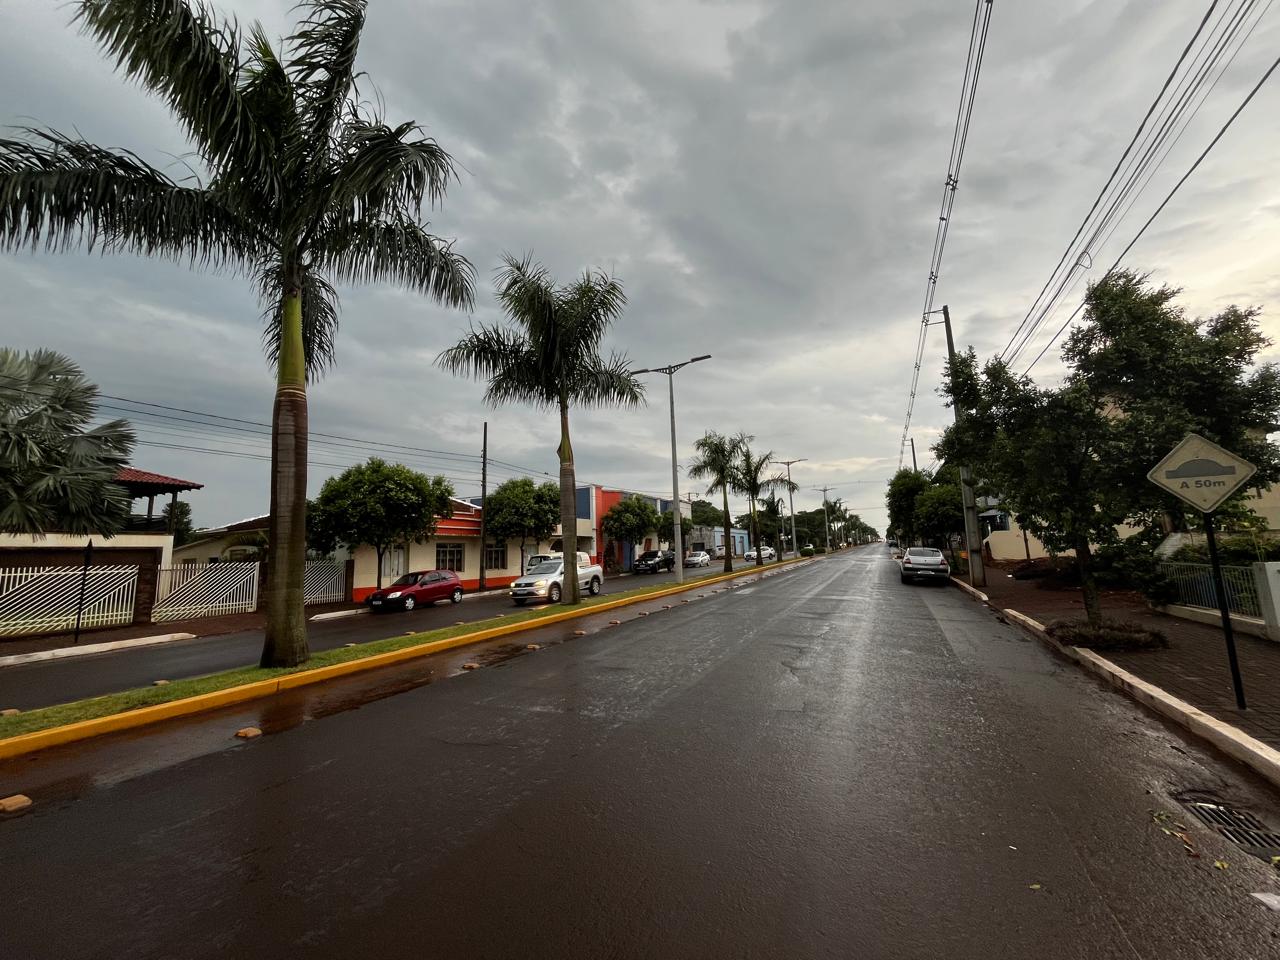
pixel 1132 564
pixel 1112 635
pixel 1239 550
pixel 819 549
pixel 806 551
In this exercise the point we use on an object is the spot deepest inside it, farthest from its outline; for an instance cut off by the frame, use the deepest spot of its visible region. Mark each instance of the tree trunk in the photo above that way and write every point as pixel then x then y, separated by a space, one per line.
pixel 728 537
pixel 380 552
pixel 569 593
pixel 1088 585
pixel 286 630
pixel 522 542
pixel 755 532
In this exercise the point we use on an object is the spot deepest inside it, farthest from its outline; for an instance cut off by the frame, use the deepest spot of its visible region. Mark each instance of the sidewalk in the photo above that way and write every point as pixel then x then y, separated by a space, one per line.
pixel 1193 668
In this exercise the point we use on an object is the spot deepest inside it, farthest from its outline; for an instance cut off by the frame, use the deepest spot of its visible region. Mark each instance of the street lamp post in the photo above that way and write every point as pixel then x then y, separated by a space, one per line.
pixel 791 498
pixel 677 535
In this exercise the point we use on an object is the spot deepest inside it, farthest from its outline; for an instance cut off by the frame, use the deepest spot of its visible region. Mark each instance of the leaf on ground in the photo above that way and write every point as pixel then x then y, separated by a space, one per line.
pixel 1035 886
pixel 1221 864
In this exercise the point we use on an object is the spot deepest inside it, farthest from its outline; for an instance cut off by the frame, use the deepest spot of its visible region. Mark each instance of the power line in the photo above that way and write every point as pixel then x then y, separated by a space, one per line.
pixel 959 140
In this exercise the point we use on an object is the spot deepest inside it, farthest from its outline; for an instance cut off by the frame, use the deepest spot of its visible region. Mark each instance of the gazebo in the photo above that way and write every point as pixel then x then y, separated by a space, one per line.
pixel 142 483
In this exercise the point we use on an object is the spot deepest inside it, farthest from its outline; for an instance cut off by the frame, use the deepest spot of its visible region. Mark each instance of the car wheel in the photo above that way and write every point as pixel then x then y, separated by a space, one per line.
pixel 408 604
pixel 456 596
pixel 554 593
pixel 904 578
pixel 519 601
pixel 594 588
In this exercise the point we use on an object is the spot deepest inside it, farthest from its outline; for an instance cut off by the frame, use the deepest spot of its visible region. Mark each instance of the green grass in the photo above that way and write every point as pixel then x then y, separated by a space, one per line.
pixel 113 703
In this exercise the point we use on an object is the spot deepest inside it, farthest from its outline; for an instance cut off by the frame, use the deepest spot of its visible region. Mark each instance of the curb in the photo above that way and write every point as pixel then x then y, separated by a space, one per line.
pixel 27 743
pixel 972 591
pixel 62 653
pixel 338 614
pixel 1232 741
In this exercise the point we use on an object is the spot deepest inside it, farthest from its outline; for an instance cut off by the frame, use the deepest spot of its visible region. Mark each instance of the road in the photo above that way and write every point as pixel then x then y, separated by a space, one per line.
pixel 826 763
pixel 44 683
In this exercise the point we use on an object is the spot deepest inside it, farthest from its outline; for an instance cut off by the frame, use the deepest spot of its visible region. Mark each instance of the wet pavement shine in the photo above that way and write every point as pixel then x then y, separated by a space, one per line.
pixel 824 763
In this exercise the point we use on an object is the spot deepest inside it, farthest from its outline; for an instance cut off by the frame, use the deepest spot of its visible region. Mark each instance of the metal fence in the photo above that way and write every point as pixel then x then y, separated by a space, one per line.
pixel 1195 587
pixel 194 590
pixel 325 582
pixel 47 599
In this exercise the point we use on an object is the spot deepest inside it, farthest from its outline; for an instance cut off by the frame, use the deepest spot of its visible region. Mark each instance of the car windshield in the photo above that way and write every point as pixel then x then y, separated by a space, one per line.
pixel 649 555
pixel 924 552
pixel 408 580
pixel 547 566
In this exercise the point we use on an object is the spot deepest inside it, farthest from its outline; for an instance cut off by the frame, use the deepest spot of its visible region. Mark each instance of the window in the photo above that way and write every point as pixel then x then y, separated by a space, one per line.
pixel 449 556
pixel 495 556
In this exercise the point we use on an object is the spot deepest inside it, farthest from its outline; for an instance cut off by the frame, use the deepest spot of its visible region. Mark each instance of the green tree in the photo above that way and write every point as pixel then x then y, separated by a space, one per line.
pixel 57 471
pixel 715 460
pixel 551 358
pixel 521 510
pixel 705 514
pixel 182 525
pixel 630 520
pixel 302 186
pixel 378 504
pixel 904 487
pixel 751 479
pixel 667 528
pixel 938 513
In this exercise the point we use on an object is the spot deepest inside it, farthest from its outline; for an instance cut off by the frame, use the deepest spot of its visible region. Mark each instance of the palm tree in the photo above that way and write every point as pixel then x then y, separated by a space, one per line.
pixel 56 471
pixel 717 456
pixel 749 479
pixel 304 186
pixel 551 358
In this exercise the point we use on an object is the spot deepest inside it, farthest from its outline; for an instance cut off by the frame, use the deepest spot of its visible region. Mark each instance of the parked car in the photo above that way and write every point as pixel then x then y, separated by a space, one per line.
pixel 418 589
pixel 924 563
pixel 699 558
pixel 655 561
pixel 768 553
pixel 546 580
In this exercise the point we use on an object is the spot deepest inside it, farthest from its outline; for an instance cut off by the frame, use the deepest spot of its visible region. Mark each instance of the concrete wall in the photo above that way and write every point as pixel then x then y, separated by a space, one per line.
pixel 1008 544
pixel 102 546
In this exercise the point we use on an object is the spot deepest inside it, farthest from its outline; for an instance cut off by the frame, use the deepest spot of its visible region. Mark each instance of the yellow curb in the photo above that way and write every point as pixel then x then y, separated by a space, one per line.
pixel 201 703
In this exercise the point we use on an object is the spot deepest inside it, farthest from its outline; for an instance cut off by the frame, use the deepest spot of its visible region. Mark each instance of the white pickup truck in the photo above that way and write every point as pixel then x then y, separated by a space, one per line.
pixel 545 580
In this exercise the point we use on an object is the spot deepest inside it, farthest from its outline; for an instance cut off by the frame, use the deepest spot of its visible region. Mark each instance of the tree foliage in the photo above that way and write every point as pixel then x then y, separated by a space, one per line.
pixel 182 525
pixel 905 486
pixel 938 513
pixel 57 470
pixel 630 520
pixel 667 528
pixel 521 510
pixel 705 514
pixel 715 461
pixel 378 504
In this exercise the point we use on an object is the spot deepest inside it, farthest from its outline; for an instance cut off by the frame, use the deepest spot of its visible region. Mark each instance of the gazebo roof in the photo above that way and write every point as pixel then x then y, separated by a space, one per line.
pixel 142 483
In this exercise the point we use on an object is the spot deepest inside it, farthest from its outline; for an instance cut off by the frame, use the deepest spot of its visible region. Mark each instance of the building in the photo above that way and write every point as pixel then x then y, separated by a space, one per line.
pixel 711 539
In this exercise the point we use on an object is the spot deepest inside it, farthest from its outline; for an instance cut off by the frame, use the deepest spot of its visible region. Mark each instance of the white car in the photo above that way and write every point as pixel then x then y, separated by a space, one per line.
pixel 546 580
pixel 924 563
pixel 699 558
pixel 766 553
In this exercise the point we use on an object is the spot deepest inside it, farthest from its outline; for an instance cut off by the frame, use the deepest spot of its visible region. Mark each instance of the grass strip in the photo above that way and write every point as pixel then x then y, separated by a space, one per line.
pixel 113 703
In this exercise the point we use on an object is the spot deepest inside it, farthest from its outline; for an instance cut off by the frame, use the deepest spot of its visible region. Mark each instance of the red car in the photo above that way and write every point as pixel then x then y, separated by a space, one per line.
pixel 417 590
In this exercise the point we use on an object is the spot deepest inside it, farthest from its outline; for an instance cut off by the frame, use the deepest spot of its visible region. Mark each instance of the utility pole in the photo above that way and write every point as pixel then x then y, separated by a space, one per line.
pixel 914 467
pixel 972 529
pixel 791 498
pixel 484 493
pixel 826 525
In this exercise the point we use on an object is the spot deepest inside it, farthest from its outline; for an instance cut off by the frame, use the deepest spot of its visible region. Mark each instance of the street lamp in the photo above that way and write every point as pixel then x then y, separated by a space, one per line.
pixel 677 535
pixel 791 497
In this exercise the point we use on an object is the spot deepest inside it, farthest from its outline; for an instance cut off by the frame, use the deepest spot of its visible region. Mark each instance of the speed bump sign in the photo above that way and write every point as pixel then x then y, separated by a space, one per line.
pixel 1201 473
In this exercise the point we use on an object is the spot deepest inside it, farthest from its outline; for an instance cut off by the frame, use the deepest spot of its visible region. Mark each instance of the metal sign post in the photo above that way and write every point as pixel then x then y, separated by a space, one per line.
pixel 1205 475
pixel 84 577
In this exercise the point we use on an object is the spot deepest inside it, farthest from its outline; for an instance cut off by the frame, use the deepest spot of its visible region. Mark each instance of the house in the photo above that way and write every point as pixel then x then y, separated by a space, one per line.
pixel 242 540
pixel 711 539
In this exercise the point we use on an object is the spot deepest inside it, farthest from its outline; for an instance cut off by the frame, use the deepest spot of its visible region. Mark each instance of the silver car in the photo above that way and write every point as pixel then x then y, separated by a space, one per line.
pixel 699 558
pixel 924 563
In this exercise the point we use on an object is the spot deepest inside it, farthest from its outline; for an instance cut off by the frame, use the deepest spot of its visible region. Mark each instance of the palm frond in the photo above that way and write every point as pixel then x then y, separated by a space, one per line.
pixel 591 305
pixel 527 294
pixel 400 251
pixel 319 318
pixel 503 357
pixel 323 54
pixel 57 191
pixel 381 170
pixel 601 383
pixel 184 53
pixel 269 94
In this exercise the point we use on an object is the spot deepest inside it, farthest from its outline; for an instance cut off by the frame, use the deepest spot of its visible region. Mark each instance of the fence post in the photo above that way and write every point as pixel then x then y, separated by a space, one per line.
pixel 1266 579
pixel 84 578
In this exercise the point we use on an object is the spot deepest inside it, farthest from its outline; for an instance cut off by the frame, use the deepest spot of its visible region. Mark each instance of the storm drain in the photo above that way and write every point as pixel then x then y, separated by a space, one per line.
pixel 1239 826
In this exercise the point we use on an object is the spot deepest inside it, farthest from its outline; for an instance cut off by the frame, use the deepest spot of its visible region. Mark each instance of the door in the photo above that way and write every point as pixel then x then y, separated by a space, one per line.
pixel 432 586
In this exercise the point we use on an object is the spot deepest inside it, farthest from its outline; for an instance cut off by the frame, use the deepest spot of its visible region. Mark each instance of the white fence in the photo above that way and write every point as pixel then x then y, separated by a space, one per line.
pixel 205 590
pixel 325 582
pixel 47 599
pixel 1195 587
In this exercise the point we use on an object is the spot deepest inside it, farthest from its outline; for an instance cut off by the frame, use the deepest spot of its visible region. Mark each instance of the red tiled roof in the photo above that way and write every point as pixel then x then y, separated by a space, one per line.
pixel 132 475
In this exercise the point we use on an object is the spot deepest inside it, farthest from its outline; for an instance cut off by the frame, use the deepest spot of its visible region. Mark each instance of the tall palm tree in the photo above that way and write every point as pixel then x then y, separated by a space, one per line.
pixel 57 472
pixel 751 480
pixel 303 186
pixel 550 357
pixel 716 459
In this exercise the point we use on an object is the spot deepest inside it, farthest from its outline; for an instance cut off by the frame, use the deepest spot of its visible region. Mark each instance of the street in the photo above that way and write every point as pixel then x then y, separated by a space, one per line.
pixel 44 683
pixel 824 763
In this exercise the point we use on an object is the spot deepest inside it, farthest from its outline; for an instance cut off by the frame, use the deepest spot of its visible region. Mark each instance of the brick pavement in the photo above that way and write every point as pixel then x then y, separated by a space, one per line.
pixel 1193 668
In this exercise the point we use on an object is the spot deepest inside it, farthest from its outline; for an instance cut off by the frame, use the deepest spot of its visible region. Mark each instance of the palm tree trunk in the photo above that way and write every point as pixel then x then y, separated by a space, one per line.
pixel 568 512
pixel 755 532
pixel 728 538
pixel 286 632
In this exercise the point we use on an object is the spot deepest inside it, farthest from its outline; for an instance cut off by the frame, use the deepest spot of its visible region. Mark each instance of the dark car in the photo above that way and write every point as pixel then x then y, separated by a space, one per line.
pixel 419 589
pixel 655 561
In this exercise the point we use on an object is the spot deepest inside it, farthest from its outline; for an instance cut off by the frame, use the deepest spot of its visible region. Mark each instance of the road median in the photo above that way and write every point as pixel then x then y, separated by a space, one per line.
pixel 82 720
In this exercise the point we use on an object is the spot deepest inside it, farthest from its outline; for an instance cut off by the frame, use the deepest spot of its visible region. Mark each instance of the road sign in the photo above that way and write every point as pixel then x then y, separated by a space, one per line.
pixel 1201 473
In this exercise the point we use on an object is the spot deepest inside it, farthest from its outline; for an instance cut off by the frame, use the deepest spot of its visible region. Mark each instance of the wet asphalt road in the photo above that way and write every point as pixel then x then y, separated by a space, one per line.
pixel 822 764
pixel 41 684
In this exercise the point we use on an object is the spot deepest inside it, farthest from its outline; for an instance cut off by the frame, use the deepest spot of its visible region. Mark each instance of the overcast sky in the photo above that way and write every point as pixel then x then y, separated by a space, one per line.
pixel 763 176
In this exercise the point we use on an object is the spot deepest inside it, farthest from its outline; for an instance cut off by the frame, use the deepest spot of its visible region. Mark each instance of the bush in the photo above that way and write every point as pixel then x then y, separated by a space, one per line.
pixel 819 549
pixel 1132 564
pixel 1112 635
pixel 1239 550
pixel 806 551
